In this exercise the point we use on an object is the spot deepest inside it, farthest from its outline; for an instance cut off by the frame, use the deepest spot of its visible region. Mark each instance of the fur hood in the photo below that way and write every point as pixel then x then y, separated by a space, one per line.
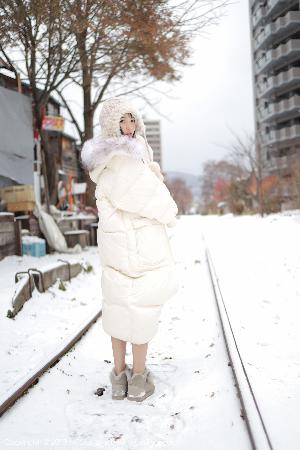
pixel 96 152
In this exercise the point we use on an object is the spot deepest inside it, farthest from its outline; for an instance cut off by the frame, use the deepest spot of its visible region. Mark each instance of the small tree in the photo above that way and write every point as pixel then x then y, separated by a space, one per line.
pixel 215 181
pixel 245 152
pixel 239 198
pixel 295 181
pixel 181 194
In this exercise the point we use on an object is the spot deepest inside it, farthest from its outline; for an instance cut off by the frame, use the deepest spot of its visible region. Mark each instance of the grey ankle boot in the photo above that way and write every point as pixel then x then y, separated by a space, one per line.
pixel 119 383
pixel 140 385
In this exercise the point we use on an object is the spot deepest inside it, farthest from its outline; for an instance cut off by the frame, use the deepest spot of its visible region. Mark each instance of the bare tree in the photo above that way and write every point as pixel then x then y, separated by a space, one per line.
pixel 215 181
pixel 49 57
pixel 245 152
pixel 105 48
pixel 126 47
pixel 181 194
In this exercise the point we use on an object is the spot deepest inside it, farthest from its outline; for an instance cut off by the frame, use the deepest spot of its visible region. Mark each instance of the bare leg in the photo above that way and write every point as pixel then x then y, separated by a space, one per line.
pixel 119 350
pixel 139 352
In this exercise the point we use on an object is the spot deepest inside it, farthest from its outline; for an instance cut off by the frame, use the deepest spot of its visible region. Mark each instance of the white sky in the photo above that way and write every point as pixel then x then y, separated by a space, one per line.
pixel 214 94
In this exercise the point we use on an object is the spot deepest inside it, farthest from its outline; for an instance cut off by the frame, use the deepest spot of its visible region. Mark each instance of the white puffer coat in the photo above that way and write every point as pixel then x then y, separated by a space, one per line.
pixel 138 269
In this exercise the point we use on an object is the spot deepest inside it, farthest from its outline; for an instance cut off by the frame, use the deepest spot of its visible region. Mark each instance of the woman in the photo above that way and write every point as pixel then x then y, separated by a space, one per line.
pixel 138 268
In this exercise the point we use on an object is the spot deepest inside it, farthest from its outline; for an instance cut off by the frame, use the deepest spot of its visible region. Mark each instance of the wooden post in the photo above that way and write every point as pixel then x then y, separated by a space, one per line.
pixel 19 84
pixel 46 186
pixel 18 234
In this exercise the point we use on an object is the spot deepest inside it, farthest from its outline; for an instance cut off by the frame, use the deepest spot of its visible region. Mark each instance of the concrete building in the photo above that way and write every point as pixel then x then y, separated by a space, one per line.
pixel 153 134
pixel 275 38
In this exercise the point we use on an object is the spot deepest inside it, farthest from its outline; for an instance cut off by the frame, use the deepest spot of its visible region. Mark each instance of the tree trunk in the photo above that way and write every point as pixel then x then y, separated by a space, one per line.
pixel 51 167
pixel 88 116
pixel 46 185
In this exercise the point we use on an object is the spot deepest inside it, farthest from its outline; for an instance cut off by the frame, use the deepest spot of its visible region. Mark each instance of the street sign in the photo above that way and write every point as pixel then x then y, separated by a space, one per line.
pixel 53 123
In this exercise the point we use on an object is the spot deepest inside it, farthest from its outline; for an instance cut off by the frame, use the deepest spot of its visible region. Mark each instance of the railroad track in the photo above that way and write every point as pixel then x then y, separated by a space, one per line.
pixel 257 431
pixel 9 398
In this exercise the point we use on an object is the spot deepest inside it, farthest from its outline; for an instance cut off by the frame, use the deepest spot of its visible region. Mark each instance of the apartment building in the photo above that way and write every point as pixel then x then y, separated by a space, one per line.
pixel 275 41
pixel 153 134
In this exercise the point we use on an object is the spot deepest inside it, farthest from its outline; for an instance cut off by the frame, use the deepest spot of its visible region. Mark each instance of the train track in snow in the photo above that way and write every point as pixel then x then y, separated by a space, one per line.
pixel 258 433
pixel 8 398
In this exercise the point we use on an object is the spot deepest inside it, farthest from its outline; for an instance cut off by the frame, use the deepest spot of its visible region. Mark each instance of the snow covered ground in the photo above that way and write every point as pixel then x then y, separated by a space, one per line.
pixel 195 404
pixel 258 265
pixel 46 319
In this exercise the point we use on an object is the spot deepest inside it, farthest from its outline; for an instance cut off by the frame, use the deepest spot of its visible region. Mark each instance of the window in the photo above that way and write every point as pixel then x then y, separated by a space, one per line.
pixel 283 151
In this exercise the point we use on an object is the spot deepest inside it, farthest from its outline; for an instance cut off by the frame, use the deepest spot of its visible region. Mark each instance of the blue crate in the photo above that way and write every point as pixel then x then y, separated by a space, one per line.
pixel 36 247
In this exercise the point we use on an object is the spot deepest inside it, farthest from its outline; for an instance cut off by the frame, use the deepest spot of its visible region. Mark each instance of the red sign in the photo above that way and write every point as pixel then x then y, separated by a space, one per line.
pixel 54 123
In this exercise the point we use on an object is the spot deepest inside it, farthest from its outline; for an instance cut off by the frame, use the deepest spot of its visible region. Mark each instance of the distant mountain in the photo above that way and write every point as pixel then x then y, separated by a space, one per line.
pixel 190 179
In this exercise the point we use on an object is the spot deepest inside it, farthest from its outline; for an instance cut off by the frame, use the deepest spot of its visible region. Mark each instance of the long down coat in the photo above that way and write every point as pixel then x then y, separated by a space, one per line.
pixel 138 268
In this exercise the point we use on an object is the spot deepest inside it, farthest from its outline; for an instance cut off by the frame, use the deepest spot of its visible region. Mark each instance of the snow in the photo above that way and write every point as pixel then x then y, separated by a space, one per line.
pixel 258 265
pixel 45 319
pixel 5 213
pixel 76 232
pixel 194 405
pixel 32 239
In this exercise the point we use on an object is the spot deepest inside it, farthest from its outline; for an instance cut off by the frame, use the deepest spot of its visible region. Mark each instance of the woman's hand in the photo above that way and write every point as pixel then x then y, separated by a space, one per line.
pixel 154 166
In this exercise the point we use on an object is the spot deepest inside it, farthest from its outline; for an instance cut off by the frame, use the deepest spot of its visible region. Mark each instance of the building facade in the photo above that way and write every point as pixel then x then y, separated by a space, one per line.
pixel 153 134
pixel 16 138
pixel 18 150
pixel 275 43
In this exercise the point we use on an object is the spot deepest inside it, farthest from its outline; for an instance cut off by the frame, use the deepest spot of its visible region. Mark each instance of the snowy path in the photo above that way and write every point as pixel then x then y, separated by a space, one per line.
pixel 258 265
pixel 194 406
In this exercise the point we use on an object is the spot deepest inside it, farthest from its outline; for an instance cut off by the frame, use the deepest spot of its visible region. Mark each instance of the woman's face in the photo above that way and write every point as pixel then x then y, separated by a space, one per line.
pixel 127 124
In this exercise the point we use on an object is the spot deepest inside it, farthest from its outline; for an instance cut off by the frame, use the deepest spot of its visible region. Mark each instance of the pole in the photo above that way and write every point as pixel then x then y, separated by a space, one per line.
pixel 46 186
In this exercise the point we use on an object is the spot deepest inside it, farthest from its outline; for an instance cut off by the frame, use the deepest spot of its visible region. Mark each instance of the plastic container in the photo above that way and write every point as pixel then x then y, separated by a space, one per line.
pixel 33 246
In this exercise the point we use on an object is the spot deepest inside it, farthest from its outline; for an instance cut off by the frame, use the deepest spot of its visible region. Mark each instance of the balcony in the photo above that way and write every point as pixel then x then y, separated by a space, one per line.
pixel 276 7
pixel 258 16
pixel 279 83
pixel 284 134
pixel 265 61
pixel 282 55
pixel 278 163
pixel 278 30
pixel 252 2
pixel 281 110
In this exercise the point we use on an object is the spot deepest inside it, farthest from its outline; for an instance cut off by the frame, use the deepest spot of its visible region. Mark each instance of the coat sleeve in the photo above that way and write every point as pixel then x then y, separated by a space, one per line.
pixel 132 186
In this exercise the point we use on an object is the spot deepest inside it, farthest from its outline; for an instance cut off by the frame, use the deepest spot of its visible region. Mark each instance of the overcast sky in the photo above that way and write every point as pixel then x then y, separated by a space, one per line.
pixel 214 94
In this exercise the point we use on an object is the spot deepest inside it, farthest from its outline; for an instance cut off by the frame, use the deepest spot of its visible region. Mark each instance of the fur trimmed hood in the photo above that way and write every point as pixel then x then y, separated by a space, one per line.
pixel 96 152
